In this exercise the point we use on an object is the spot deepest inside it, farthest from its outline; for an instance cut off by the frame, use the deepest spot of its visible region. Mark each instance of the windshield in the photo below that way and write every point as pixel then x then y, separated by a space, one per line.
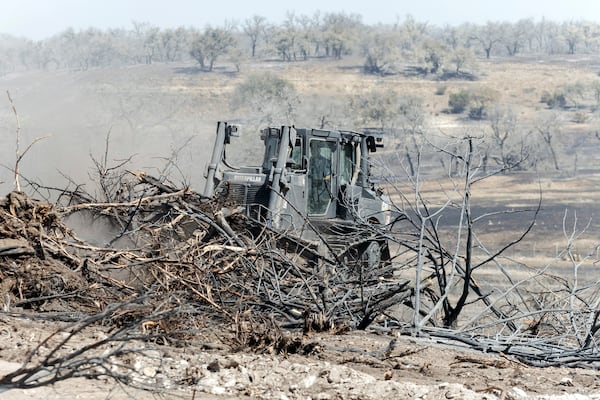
pixel 319 177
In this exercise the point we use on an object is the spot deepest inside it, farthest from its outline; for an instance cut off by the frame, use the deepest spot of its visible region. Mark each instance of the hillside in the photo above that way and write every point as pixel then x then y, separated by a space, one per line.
pixel 160 119
pixel 153 110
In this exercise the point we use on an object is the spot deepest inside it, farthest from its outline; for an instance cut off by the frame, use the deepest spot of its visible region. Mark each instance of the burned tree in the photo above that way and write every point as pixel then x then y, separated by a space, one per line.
pixel 446 261
pixel 548 127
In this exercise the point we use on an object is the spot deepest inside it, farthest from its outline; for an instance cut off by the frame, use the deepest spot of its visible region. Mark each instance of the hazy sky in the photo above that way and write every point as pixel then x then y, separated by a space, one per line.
pixel 38 19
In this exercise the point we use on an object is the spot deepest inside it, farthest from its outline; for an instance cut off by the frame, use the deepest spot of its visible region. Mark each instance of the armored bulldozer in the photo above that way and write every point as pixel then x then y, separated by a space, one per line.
pixel 314 185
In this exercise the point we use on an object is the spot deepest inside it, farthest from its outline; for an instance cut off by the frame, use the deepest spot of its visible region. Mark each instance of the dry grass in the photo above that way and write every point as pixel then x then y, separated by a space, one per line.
pixel 519 82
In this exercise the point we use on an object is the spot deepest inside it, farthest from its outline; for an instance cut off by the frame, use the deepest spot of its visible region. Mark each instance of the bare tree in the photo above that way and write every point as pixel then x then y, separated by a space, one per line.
pixel 514 36
pixel 590 32
pixel 487 36
pixel 412 34
pixel 339 33
pixel 210 44
pixel 462 58
pixel 436 53
pixel 254 28
pixel 554 43
pixel 173 43
pixel 573 35
pixel 503 122
pixel 411 121
pixel 539 34
pixel 549 126
pixel 283 38
pixel 444 268
pixel 453 36
pixel 382 55
pixel 138 42
pixel 18 154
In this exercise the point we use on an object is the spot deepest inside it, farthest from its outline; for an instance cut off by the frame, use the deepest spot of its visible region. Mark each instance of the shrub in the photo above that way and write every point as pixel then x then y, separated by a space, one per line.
pixel 580 117
pixel 441 90
pixel 480 100
pixel 554 100
pixel 477 113
pixel 266 98
pixel 459 101
pixel 476 101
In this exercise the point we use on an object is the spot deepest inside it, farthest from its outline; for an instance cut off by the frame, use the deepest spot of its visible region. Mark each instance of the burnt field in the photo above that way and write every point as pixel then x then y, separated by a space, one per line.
pixel 506 205
pixel 540 224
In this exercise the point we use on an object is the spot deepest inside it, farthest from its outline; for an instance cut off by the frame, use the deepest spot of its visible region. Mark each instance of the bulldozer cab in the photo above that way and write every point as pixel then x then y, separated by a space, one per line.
pixel 310 179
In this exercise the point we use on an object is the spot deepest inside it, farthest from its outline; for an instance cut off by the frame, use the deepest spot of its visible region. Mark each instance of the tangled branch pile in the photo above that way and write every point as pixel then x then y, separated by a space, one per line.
pixel 181 251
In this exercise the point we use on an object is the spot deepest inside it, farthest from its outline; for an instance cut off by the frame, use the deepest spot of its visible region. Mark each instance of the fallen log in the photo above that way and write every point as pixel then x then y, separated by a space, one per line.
pixel 15 248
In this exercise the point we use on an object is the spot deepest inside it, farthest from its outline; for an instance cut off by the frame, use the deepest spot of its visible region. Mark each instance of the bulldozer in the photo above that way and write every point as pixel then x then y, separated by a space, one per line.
pixel 313 186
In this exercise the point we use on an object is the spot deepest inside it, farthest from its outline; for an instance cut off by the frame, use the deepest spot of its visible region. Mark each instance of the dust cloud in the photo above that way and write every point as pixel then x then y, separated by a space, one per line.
pixel 135 111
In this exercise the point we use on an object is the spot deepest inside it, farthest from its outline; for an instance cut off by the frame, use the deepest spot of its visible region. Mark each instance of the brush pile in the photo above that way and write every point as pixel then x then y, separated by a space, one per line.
pixel 173 267
pixel 177 263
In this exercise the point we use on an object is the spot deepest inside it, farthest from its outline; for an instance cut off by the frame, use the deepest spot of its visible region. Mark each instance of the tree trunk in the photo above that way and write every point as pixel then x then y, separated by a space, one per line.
pixel 410 162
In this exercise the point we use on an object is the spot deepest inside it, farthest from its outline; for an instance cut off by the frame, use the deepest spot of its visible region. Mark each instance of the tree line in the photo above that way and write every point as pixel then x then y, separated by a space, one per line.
pixel 384 48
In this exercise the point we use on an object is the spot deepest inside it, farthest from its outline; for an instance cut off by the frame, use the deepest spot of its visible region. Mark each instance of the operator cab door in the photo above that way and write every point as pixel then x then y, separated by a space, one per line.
pixel 322 178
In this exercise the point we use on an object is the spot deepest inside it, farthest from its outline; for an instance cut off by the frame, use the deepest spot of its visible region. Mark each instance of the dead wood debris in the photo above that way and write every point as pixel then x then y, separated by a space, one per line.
pixel 171 243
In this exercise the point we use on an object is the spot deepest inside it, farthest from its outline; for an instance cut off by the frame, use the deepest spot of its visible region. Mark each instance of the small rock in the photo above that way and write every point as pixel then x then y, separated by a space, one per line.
pixel 214 366
pixel 149 372
pixel 183 363
pixel 566 382
pixel 451 391
pixel 279 395
pixel 309 381
pixel 217 390
pixel 153 354
pixel 334 376
pixel 521 394
pixel 227 364
pixel 323 396
pixel 209 381
pixel 389 374
pixel 230 383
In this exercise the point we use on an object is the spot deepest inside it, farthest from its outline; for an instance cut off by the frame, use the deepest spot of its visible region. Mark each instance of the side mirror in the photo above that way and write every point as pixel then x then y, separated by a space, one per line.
pixel 231 131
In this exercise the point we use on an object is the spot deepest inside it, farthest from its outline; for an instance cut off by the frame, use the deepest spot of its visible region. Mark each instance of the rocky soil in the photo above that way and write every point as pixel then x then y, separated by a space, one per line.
pixel 355 365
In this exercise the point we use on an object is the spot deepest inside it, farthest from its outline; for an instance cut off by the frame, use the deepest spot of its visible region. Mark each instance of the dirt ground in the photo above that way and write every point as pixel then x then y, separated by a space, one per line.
pixel 356 365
